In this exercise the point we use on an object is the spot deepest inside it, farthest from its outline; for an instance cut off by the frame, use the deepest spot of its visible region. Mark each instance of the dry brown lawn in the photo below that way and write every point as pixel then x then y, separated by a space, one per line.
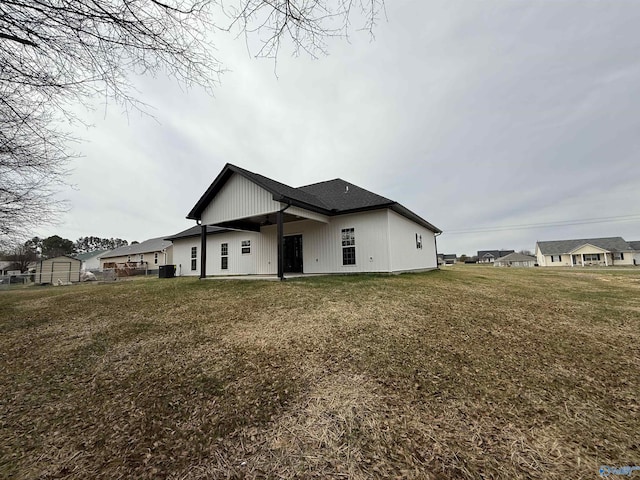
pixel 470 372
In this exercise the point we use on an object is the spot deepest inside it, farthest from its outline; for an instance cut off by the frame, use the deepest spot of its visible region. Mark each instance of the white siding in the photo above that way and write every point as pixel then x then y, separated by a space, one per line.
pixel 402 242
pixel 321 247
pixel 322 243
pixel 238 263
pixel 239 198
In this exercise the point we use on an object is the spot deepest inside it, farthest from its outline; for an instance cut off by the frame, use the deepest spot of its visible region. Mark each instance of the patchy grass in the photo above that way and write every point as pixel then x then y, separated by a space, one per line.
pixel 462 373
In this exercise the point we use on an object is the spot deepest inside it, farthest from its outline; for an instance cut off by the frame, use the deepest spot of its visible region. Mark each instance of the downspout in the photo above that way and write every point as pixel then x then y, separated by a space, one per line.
pixel 279 221
pixel 435 241
pixel 203 249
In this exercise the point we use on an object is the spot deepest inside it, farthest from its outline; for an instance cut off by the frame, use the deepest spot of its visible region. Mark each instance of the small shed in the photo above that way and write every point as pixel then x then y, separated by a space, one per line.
pixel 515 260
pixel 58 270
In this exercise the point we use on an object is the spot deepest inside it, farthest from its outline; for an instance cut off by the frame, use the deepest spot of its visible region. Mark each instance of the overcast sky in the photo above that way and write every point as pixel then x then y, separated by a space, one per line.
pixel 474 114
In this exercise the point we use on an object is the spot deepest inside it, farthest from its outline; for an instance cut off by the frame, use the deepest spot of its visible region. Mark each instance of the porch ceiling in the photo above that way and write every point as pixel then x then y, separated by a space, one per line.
pixel 254 223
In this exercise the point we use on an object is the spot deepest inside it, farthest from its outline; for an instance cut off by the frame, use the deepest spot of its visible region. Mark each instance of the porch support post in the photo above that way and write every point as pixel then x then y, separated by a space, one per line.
pixel 203 251
pixel 606 264
pixel 582 255
pixel 279 218
pixel 571 257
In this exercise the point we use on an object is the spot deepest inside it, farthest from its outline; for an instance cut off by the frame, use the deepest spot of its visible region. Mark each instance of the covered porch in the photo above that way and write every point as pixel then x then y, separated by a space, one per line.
pixel 590 255
pixel 288 248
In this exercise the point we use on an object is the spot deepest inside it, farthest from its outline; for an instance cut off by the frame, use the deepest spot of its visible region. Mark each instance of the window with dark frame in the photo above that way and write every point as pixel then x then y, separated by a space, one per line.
pixel 418 241
pixel 618 256
pixel 194 258
pixel 224 256
pixel 155 258
pixel 348 246
pixel 246 246
pixel 556 258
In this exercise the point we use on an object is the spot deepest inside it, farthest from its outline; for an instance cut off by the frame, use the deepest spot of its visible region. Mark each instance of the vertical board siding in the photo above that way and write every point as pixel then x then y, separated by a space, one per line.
pixel 385 242
pixel 239 198
pixel 322 243
pixel 238 263
pixel 404 253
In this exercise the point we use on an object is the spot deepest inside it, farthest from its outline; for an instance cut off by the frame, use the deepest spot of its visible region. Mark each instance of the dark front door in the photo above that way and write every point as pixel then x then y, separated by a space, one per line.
pixel 293 254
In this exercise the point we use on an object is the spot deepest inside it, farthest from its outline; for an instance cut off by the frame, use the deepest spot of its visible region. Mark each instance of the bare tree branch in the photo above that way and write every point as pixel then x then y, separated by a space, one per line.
pixel 55 54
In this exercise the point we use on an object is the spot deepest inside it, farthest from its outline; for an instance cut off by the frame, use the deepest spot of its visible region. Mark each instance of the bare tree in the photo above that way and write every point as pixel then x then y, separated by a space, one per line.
pixel 55 54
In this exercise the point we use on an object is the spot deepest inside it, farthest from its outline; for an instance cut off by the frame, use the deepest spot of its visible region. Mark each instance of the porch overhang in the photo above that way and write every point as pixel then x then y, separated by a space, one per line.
pixel 256 222
pixel 590 246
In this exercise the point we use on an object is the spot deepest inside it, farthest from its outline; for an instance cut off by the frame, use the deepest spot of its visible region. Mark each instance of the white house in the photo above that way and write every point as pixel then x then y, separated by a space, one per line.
pixel 91 260
pixel 515 260
pixel 250 224
pixel 584 252
pixel 150 254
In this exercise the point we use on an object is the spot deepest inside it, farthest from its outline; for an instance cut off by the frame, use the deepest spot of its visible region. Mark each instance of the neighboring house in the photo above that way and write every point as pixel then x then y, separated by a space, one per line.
pixel 584 252
pixel 515 260
pixel 6 267
pixel 490 256
pixel 266 227
pixel 63 269
pixel 635 245
pixel 150 254
pixel 90 260
pixel 447 259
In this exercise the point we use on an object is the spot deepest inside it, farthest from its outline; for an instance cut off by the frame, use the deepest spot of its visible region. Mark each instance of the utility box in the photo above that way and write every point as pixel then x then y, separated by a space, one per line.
pixel 167 271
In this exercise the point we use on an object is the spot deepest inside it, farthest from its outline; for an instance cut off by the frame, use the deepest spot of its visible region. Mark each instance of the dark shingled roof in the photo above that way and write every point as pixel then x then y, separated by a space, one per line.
pixel 635 245
pixel 195 232
pixel 559 247
pixel 343 196
pixel 332 197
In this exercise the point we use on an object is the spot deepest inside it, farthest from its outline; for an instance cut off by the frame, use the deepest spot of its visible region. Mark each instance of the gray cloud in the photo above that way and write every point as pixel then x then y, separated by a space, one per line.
pixel 472 114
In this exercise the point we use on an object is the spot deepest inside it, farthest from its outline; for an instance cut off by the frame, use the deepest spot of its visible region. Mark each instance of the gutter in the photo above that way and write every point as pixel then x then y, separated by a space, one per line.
pixel 435 241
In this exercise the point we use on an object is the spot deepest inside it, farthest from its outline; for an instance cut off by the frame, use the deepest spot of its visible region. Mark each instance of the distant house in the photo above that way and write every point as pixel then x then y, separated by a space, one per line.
pixel 490 256
pixel 327 227
pixel 63 269
pixel 585 252
pixel 150 254
pixel 635 245
pixel 447 259
pixel 90 260
pixel 515 260
pixel 6 267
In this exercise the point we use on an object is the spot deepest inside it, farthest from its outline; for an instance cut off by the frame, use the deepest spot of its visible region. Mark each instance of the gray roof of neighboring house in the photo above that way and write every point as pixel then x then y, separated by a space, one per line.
pixel 449 256
pixel 635 245
pixel 516 257
pixel 196 231
pixel 559 247
pixel 332 197
pixel 88 255
pixel 493 253
pixel 148 246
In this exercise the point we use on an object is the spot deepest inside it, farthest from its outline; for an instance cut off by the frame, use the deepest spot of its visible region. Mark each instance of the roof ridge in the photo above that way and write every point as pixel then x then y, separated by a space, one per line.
pixel 325 181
